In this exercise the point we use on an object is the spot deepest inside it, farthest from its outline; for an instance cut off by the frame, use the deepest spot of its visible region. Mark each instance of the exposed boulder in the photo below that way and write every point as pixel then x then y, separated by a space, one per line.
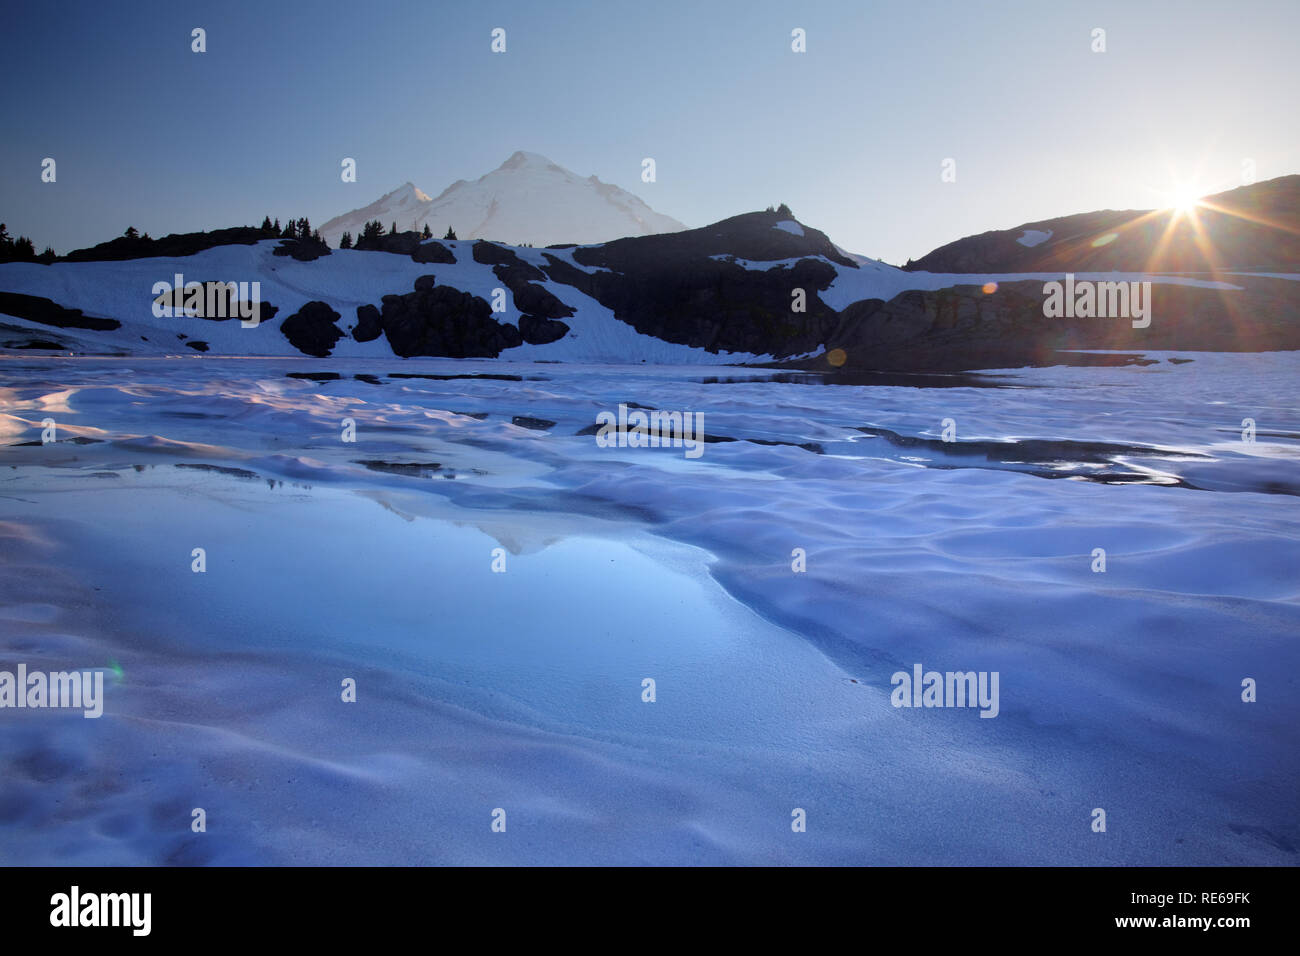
pixel 490 254
pixel 304 250
pixel 217 303
pixel 409 243
pixel 442 321
pixel 518 273
pixel 368 327
pixel 530 298
pixel 538 306
pixel 539 331
pixel 398 243
pixel 312 330
pixel 431 251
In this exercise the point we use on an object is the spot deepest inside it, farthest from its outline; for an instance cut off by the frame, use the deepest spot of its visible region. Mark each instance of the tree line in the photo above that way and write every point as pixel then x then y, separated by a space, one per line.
pixel 21 249
pixel 374 229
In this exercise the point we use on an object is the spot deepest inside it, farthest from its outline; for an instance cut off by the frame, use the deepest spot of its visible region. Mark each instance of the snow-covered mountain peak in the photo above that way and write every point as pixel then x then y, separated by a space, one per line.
pixel 406 194
pixel 520 159
pixel 527 199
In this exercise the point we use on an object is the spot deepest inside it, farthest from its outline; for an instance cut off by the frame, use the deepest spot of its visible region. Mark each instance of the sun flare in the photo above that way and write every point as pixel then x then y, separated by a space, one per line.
pixel 1184 199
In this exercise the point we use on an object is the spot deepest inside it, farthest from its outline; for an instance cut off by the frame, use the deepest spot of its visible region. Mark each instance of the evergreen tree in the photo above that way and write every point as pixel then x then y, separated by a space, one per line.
pixel 131 232
pixel 48 255
pixel 393 231
pixel 304 228
pixel 276 225
pixel 373 230
pixel 290 230
pixel 266 224
pixel 428 233
pixel 451 233
pixel 346 241
pixel 784 210
pixel 24 251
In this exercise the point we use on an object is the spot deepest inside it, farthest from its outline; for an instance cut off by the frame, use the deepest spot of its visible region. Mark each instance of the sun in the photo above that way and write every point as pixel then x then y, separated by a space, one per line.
pixel 1184 199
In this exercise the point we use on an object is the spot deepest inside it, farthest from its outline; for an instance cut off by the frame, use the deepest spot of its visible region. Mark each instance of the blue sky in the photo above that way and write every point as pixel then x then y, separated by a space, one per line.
pixel 851 134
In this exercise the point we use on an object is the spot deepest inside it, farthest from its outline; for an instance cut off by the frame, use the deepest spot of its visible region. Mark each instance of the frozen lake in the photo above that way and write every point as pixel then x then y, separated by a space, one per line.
pixel 499 586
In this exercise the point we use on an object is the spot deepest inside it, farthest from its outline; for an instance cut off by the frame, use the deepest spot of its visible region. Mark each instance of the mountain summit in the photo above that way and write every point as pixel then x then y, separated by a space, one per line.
pixel 527 199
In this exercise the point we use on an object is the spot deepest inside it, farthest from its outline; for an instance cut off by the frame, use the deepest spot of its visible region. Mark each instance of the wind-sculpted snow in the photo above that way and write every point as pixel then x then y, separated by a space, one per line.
pixel 373 559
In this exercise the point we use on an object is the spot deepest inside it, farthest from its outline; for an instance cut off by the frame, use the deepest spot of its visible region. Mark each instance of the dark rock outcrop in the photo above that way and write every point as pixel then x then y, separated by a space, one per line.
pixel 176 244
pixel 538 331
pixel 411 469
pixel 441 321
pixel 315 376
pixel 304 250
pixel 751 235
pixel 537 301
pixel 685 287
pixel 312 330
pixel 490 254
pixel 431 251
pixel 714 304
pixel 47 312
pixel 45 344
pixel 539 308
pixel 221 295
pixel 368 327
pixel 409 243
pixel 963 327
